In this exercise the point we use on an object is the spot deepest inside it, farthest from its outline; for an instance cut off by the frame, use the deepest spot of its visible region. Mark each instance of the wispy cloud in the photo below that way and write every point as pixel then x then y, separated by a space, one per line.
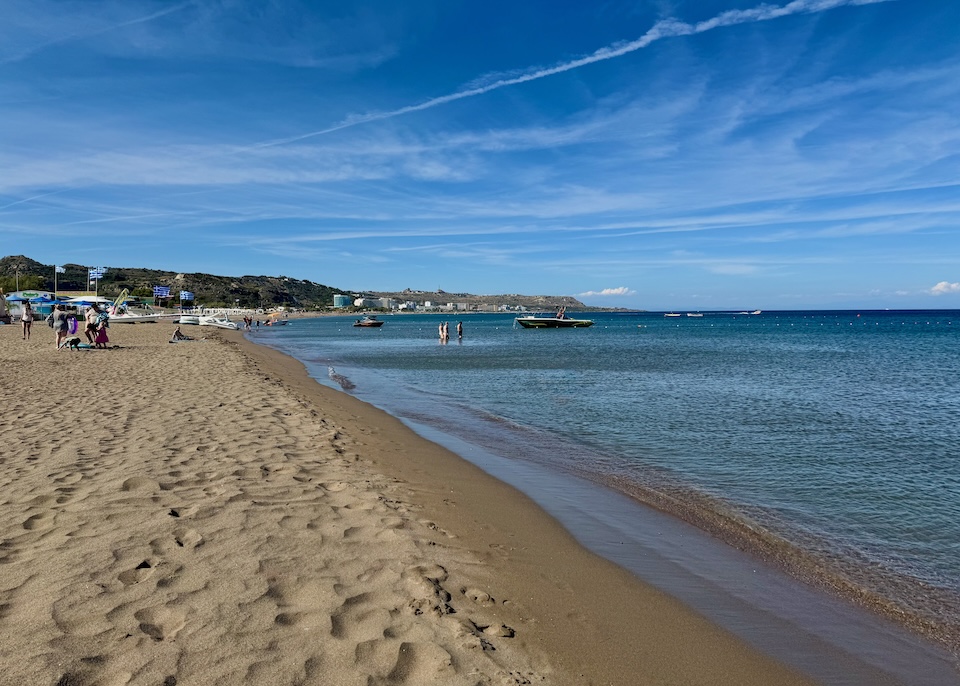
pixel 608 292
pixel 666 28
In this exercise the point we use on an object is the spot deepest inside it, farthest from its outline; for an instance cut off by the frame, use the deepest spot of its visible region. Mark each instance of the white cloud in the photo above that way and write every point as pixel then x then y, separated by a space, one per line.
pixel 622 290
pixel 945 287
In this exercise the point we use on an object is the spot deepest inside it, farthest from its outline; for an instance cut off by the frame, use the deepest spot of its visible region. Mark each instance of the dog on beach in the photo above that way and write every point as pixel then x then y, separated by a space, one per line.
pixel 73 343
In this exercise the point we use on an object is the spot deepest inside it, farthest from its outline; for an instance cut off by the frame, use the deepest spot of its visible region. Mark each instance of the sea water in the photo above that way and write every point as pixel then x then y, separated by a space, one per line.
pixel 827 442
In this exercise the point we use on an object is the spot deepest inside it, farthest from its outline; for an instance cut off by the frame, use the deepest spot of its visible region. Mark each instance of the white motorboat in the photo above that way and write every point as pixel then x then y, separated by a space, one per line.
pixel 220 322
pixel 188 319
pixel 130 318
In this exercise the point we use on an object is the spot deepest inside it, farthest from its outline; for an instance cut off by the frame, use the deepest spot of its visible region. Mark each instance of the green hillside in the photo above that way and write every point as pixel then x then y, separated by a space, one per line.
pixel 243 291
pixel 210 290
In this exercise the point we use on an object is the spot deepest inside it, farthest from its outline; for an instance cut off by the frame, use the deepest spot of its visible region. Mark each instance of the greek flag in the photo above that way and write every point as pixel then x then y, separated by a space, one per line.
pixel 60 270
pixel 96 273
pixel 186 295
pixel 161 291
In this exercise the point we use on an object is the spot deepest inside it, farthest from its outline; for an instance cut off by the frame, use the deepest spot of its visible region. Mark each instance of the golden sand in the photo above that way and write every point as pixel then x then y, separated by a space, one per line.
pixel 204 513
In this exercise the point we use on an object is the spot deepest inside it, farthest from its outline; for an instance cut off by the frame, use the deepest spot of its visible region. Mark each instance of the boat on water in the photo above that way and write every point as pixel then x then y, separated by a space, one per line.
pixel 671 314
pixel 220 322
pixel 368 321
pixel 275 319
pixel 694 314
pixel 559 321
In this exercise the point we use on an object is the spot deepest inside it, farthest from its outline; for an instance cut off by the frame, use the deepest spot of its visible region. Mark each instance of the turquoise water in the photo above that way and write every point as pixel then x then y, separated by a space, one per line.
pixel 828 442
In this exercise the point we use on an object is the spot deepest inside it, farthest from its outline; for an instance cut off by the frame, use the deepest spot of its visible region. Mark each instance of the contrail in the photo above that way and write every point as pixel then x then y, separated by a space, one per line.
pixel 666 28
pixel 79 36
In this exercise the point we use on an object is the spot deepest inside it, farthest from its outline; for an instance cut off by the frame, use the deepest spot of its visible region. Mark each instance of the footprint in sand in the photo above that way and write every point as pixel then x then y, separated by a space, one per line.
pixel 160 623
pixel 481 598
pixel 43 520
pixel 434 527
pixel 68 478
pixel 141 572
pixel 419 663
pixel 140 483
pixel 185 511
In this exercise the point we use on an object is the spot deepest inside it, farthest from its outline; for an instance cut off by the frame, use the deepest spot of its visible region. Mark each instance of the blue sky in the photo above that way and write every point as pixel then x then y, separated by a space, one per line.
pixel 656 154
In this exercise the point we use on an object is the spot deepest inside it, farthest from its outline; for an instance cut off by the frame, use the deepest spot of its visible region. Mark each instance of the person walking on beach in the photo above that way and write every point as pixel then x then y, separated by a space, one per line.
pixel 60 324
pixel 459 330
pixel 26 318
pixel 90 330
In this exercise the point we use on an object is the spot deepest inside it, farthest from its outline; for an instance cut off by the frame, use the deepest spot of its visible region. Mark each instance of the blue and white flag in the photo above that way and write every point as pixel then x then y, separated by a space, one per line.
pixel 96 273
pixel 161 291
pixel 60 270
pixel 186 295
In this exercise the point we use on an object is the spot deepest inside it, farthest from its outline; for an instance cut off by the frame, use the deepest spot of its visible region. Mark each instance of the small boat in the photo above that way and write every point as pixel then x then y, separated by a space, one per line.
pixel 129 318
pixel 275 319
pixel 694 314
pixel 671 314
pixel 188 319
pixel 368 321
pixel 552 322
pixel 220 322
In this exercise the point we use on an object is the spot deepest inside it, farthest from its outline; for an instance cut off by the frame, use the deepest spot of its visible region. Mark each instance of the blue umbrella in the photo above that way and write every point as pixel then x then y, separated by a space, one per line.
pixel 42 299
pixel 16 299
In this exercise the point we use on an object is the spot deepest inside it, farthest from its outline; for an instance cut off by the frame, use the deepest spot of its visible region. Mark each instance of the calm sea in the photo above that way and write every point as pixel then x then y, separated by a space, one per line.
pixel 826 442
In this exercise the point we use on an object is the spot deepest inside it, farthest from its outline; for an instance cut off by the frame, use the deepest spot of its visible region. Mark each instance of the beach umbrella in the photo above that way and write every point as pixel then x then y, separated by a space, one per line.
pixel 17 299
pixel 40 299
pixel 87 299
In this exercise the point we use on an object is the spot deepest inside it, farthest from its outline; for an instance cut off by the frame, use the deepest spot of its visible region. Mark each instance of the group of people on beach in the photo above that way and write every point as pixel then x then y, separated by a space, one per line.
pixel 95 327
pixel 445 331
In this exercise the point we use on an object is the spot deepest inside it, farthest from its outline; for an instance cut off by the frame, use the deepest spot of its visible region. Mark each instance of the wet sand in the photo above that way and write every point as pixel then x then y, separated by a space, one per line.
pixel 205 513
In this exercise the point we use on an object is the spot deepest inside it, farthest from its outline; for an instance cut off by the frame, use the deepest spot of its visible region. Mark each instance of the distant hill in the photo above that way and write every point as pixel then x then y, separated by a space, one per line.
pixel 487 302
pixel 246 291
pixel 210 290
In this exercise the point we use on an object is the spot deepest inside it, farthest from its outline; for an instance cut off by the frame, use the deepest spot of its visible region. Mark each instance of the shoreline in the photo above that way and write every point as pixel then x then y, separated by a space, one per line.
pixel 610 598
pixel 807 576
pixel 207 513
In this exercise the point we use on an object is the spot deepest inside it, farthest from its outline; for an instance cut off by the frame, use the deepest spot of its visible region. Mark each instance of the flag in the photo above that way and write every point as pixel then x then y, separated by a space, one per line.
pixel 186 295
pixel 96 273
pixel 60 270
pixel 161 291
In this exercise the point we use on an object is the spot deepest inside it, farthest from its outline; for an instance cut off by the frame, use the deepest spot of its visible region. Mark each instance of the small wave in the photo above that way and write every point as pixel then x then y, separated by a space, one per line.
pixel 345 383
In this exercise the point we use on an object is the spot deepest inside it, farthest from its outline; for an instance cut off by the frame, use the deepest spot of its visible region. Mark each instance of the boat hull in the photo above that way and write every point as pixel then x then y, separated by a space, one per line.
pixel 219 322
pixel 553 323
pixel 133 318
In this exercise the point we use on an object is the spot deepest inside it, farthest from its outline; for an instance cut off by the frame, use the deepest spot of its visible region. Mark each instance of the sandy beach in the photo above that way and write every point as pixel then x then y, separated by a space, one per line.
pixel 205 513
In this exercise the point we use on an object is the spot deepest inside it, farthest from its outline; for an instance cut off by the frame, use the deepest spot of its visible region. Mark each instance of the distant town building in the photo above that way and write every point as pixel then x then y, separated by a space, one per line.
pixel 341 300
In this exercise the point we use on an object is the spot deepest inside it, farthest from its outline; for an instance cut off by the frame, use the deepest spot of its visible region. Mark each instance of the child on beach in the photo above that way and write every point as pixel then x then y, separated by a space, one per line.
pixel 101 339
